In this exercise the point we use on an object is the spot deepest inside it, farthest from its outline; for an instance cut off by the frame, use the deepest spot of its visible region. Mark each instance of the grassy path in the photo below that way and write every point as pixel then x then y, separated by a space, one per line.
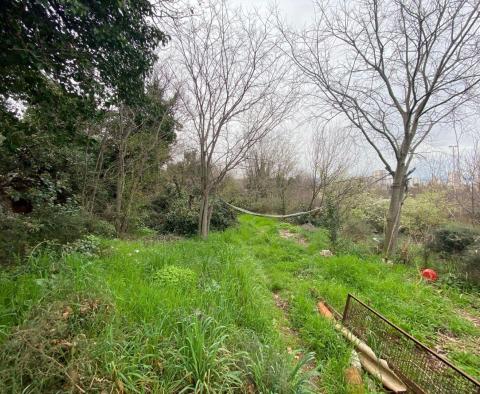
pixel 225 315
pixel 441 317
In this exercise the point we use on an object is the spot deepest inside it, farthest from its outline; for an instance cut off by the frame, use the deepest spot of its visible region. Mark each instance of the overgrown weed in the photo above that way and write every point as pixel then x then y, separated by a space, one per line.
pixel 210 324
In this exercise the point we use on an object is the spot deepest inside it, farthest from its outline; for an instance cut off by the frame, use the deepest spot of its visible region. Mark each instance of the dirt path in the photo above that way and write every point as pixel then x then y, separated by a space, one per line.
pixel 287 234
pixel 292 337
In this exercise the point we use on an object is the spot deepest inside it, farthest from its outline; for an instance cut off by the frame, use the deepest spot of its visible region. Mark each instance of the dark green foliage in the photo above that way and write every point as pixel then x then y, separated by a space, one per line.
pixel 57 224
pixel 41 151
pixel 472 267
pixel 88 47
pixel 62 65
pixel 331 220
pixel 173 212
pixel 176 211
pixel 222 216
pixel 453 239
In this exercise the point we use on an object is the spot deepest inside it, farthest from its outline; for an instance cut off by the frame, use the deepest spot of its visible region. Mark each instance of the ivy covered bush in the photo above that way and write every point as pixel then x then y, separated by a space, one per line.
pixel 453 239
pixel 176 211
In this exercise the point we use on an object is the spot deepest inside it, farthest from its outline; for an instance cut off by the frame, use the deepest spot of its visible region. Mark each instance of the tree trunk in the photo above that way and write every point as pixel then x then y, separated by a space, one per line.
pixel 399 188
pixel 203 220
pixel 312 201
pixel 120 190
pixel 119 197
pixel 210 211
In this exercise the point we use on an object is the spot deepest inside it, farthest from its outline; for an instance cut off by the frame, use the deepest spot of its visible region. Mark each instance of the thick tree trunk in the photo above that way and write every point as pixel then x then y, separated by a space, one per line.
pixel 204 217
pixel 399 188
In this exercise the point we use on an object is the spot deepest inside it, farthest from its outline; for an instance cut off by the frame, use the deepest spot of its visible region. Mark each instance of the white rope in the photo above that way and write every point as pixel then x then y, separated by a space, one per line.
pixel 270 215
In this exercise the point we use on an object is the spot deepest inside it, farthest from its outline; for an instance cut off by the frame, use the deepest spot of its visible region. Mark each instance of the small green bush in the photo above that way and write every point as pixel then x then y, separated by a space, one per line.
pixel 453 239
pixel 89 246
pixel 177 276
pixel 423 213
pixel 357 230
pixel 370 209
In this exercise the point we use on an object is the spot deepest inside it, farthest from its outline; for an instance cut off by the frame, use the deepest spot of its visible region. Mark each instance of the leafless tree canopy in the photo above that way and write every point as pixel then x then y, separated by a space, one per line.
pixel 388 65
pixel 330 156
pixel 271 170
pixel 468 170
pixel 395 69
pixel 234 87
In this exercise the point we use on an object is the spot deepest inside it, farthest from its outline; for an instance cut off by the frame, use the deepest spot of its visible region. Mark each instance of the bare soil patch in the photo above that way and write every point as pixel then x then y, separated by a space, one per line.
pixel 299 238
pixel 288 331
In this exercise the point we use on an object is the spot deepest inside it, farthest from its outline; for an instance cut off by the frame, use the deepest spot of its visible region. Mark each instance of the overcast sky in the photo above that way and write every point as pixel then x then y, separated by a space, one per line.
pixel 299 13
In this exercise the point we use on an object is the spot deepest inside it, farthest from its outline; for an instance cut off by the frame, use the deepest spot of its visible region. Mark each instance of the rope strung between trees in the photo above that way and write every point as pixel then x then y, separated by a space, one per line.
pixel 269 215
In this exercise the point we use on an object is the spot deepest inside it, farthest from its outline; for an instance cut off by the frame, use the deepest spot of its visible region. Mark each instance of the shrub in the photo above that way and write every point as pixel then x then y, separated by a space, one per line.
pixel 57 224
pixel 177 212
pixel 177 276
pixel 471 265
pixel 357 230
pixel 178 218
pixel 100 227
pixel 57 337
pixel 88 245
pixel 423 213
pixel 369 209
pixel 331 220
pixel 453 239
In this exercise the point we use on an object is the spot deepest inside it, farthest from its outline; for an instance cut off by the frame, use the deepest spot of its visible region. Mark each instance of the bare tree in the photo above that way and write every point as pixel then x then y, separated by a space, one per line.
pixel 234 89
pixel 284 167
pixel 259 169
pixel 270 170
pixel 395 69
pixel 437 166
pixel 470 176
pixel 330 155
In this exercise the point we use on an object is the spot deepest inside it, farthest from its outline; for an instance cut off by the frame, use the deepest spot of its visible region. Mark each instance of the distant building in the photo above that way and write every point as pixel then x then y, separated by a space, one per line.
pixel 382 178
pixel 454 179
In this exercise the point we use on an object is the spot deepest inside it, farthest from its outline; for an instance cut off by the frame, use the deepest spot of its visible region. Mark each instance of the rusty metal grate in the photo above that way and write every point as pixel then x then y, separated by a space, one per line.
pixel 420 368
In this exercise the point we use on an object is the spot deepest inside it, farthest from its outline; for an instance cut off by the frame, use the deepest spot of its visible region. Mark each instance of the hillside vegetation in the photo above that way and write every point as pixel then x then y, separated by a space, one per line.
pixel 234 313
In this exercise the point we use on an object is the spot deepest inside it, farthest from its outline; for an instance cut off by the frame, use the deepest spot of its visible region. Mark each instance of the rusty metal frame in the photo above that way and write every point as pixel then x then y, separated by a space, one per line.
pixel 404 353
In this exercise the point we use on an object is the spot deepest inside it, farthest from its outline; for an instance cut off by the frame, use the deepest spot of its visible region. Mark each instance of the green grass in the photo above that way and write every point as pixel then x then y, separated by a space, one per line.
pixel 195 315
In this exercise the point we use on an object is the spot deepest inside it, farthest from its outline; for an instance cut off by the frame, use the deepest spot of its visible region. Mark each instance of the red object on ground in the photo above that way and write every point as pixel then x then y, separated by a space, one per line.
pixel 429 275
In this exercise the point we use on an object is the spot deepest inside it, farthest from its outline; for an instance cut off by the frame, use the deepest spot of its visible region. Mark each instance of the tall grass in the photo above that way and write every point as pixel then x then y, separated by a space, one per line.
pixel 198 316
pixel 196 328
